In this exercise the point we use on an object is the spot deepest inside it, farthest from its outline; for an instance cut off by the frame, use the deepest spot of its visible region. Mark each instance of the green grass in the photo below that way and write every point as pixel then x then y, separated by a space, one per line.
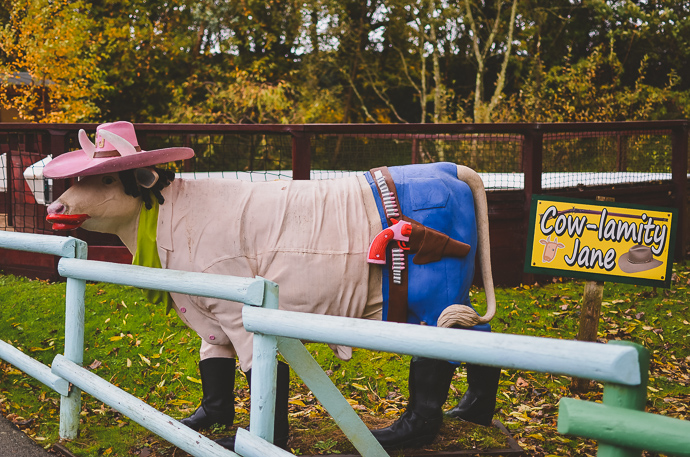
pixel 153 356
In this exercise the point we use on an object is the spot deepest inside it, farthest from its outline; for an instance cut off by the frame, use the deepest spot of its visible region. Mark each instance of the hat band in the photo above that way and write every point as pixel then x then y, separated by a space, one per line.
pixel 111 153
pixel 639 261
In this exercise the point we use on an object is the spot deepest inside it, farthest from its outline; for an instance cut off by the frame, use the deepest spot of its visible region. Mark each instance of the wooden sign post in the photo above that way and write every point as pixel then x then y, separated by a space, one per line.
pixel 590 312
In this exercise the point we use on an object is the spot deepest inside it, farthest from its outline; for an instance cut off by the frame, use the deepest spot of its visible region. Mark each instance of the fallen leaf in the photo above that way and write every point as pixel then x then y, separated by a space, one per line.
pixel 521 383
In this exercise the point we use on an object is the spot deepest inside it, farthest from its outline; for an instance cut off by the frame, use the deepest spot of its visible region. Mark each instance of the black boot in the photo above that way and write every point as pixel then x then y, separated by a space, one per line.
pixel 218 400
pixel 281 428
pixel 420 423
pixel 479 402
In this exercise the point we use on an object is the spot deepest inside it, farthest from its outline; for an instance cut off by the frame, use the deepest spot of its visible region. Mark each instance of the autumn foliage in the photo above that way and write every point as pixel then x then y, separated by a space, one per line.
pixel 287 61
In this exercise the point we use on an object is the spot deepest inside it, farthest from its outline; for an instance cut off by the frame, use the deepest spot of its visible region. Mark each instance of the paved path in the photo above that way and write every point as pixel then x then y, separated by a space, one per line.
pixel 14 443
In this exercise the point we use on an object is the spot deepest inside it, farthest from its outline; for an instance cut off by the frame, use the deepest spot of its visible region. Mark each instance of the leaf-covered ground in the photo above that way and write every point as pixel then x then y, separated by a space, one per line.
pixel 135 346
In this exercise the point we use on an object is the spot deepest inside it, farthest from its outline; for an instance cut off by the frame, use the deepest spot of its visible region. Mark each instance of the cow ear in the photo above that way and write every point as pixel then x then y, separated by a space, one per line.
pixel 146 177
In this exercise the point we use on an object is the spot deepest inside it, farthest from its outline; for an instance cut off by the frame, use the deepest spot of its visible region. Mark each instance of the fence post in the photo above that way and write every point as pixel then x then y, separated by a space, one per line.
pixel 56 146
pixel 301 155
pixel 532 163
pixel 9 187
pixel 629 397
pixel 265 375
pixel 679 167
pixel 532 143
pixel 622 152
pixel 70 405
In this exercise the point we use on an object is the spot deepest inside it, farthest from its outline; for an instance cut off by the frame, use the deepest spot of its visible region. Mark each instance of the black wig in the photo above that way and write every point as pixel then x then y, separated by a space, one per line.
pixel 165 177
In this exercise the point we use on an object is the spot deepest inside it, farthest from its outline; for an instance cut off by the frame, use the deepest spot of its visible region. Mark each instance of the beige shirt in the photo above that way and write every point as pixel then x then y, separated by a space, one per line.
pixel 310 237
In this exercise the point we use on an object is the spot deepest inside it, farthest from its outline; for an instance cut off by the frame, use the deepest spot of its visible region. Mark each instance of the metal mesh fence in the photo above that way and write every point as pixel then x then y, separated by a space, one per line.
pixel 487 153
pixel 252 157
pixel 497 156
pixel 24 194
pixel 605 158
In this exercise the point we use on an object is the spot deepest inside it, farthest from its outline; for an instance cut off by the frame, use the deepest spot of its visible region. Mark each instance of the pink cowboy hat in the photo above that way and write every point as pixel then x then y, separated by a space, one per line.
pixel 116 149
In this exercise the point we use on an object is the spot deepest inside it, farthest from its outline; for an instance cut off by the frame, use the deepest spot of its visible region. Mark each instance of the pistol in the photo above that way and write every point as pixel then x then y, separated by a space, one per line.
pixel 399 231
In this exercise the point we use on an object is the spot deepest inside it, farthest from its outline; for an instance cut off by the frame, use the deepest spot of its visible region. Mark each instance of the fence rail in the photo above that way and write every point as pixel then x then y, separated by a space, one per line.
pixel 141 413
pixel 617 364
pixel 244 290
pixel 621 427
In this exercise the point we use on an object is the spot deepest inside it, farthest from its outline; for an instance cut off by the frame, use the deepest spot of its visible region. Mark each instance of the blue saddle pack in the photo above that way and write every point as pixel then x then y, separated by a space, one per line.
pixel 432 195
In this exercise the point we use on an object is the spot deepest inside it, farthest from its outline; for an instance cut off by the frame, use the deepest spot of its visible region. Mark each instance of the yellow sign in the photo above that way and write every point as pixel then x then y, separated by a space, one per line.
pixel 601 241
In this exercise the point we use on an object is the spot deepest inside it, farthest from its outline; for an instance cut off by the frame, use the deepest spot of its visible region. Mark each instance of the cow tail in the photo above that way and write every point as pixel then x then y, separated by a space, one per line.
pixel 461 315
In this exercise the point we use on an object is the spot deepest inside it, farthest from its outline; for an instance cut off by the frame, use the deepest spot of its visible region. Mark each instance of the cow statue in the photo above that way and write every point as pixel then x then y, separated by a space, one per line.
pixel 394 243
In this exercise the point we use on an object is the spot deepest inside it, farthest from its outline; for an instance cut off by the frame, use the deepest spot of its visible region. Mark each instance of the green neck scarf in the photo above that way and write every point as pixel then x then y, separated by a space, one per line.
pixel 147 252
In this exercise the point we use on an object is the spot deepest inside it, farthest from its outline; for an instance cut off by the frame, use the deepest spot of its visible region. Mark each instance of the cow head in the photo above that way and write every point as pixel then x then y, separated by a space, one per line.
pixel 109 203
pixel 550 248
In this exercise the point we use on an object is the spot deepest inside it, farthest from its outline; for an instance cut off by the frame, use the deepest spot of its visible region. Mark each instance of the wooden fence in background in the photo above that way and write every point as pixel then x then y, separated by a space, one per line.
pixel 635 162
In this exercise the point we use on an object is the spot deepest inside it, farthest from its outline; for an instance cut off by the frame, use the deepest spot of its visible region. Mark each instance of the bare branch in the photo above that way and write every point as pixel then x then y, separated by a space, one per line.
pixel 500 83
pixel 361 100
pixel 494 29
pixel 383 97
pixel 475 31
pixel 409 78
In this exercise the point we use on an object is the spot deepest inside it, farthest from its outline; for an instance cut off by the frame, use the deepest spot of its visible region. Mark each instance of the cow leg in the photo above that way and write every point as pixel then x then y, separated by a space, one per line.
pixel 479 402
pixel 429 382
pixel 218 400
pixel 281 427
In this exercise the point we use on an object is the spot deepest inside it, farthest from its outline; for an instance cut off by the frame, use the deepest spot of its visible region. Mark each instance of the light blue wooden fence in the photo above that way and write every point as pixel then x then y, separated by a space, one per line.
pixel 67 377
pixel 622 367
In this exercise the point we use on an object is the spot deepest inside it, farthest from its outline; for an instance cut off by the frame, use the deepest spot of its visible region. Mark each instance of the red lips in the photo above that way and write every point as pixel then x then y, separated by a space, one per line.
pixel 66 221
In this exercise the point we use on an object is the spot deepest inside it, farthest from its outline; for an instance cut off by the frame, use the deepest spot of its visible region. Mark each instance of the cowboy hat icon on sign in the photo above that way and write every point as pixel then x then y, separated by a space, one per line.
pixel 638 259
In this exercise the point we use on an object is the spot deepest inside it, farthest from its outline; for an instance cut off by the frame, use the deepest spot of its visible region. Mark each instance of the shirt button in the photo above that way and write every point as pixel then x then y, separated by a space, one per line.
pixel 211 337
pixel 183 310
